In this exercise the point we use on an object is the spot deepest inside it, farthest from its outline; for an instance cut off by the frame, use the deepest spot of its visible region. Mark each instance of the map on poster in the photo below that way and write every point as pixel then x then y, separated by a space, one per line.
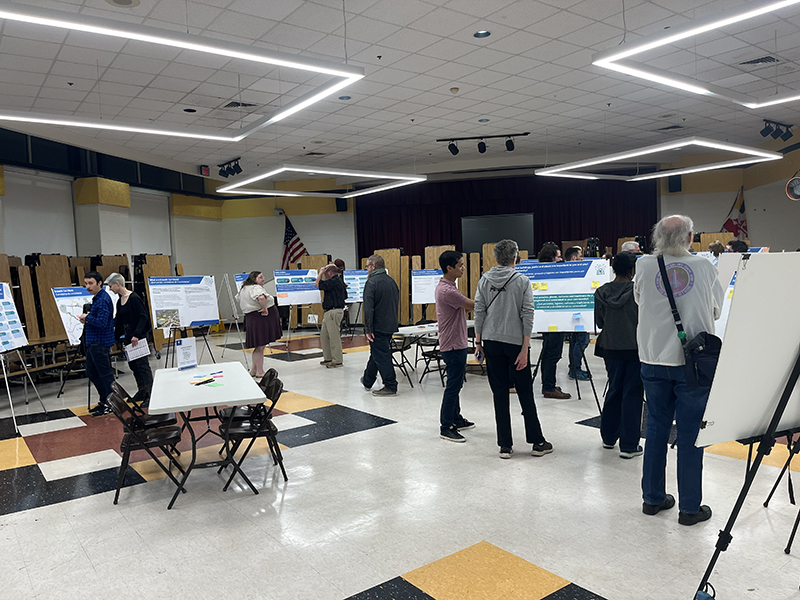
pixel 70 301
pixel 238 279
pixel 423 285
pixel 183 301
pixel 563 293
pixel 12 335
pixel 721 324
pixel 296 287
pixel 355 281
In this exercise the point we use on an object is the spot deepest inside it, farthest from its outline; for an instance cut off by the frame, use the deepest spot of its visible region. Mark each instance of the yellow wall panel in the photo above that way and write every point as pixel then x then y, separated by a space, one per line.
pixel 194 206
pixel 96 190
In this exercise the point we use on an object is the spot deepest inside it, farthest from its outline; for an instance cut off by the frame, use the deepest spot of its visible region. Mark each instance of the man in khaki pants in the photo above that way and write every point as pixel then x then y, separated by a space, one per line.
pixel 332 284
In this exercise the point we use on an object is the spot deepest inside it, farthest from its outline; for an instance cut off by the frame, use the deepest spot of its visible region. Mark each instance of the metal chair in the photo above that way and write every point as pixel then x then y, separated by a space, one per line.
pixel 399 345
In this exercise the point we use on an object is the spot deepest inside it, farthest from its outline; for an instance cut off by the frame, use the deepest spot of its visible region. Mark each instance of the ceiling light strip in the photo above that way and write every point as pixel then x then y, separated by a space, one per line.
pixel 685 171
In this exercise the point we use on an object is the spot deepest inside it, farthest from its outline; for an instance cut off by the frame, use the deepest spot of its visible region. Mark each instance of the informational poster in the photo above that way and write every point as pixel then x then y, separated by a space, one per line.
pixel 70 302
pixel 186 351
pixel 12 336
pixel 183 301
pixel 423 285
pixel 296 287
pixel 355 281
pixel 758 249
pixel 721 323
pixel 564 293
pixel 238 279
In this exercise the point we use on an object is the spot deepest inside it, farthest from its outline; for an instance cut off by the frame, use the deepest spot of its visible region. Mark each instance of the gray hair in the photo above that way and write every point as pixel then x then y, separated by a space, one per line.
pixel 115 278
pixel 505 252
pixel 630 246
pixel 671 235
pixel 377 260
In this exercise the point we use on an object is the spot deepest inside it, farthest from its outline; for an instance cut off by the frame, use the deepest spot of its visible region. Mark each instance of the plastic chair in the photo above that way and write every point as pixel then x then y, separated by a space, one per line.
pixel 137 437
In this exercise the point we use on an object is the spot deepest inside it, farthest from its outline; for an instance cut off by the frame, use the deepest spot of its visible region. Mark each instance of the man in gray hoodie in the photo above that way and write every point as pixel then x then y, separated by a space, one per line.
pixel 503 325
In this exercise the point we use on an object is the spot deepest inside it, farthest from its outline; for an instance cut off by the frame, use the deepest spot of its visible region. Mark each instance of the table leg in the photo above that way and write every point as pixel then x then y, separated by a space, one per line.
pixel 188 425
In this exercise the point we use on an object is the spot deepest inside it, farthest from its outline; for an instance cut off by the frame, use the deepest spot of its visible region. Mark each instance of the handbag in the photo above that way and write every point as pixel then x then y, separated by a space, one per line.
pixel 701 352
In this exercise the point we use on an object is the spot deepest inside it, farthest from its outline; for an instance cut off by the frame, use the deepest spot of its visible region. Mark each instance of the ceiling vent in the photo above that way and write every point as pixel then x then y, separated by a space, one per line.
pixel 764 60
pixel 234 104
pixel 315 154
pixel 670 128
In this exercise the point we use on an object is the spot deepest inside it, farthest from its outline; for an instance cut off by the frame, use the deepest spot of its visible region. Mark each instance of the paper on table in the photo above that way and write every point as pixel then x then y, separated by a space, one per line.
pixel 133 352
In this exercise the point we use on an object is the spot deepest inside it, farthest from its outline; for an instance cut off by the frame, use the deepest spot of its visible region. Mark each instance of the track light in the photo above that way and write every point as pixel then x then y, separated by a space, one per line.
pixel 481 139
pixel 453 148
pixel 777 133
pixel 787 135
pixel 767 129
pixel 777 130
pixel 236 168
pixel 481 146
pixel 230 168
pixel 223 172
pixel 510 145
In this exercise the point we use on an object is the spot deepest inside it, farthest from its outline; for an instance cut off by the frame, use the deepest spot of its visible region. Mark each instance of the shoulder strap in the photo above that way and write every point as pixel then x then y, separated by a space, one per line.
pixel 668 289
pixel 501 289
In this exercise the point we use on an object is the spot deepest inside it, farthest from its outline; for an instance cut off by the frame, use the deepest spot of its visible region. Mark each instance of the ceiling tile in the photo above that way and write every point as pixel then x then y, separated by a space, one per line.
pixel 364 29
pixel 478 8
pixel 484 57
pixel 399 13
pixel 448 49
pixel 32 48
pixel 516 65
pixel 444 22
pixel 410 40
pixel 518 42
pixel 416 63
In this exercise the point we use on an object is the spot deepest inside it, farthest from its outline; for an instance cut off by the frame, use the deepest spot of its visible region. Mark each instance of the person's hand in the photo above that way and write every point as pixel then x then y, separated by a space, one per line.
pixel 82 318
pixel 134 341
pixel 522 359
pixel 479 355
pixel 370 337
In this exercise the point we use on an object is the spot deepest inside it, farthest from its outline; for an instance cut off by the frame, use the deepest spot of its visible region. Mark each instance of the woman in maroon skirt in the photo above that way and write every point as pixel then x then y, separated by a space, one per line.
pixel 261 320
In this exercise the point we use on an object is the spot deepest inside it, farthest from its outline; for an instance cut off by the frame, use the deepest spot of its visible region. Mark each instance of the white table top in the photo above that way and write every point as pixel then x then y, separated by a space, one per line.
pixel 424 329
pixel 172 391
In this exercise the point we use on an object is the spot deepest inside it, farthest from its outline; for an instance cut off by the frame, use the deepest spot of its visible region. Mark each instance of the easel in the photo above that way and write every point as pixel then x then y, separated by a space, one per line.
pixel 8 388
pixel 767 441
pixel 226 283
pixel 352 324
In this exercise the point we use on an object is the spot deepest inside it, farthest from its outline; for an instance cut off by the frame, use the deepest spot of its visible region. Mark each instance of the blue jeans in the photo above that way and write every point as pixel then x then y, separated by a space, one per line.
pixel 380 360
pixel 578 342
pixel 552 347
pixel 669 397
pixel 622 409
pixel 98 369
pixel 456 364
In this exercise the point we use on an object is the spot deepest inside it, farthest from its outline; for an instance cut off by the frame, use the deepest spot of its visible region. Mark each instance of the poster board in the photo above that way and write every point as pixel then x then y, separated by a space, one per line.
pixel 355 282
pixel 726 267
pixel 297 287
pixel 423 285
pixel 721 324
pixel 70 301
pixel 189 301
pixel 12 335
pixel 238 279
pixel 748 383
pixel 563 293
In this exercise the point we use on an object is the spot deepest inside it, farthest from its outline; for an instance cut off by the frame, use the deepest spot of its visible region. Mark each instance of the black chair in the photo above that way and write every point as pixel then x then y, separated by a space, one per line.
pixel 399 345
pixel 258 424
pixel 137 437
pixel 145 420
pixel 429 356
pixel 244 412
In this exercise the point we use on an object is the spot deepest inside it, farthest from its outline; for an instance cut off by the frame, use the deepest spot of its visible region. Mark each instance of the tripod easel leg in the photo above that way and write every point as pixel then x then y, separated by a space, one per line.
pixel 591 381
pixel 8 391
pixel 33 385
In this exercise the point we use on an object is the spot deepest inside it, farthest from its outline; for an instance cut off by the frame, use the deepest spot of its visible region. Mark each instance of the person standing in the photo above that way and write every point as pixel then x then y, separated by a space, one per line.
pixel 451 313
pixel 329 281
pixel 503 325
pixel 131 325
pixel 578 340
pixel 261 320
pixel 616 313
pixel 552 342
pixel 381 300
pixel 698 298
pixel 99 335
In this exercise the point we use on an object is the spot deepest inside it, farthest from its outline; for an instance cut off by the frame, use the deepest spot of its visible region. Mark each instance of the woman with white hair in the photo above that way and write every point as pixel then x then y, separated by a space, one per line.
pixel 132 324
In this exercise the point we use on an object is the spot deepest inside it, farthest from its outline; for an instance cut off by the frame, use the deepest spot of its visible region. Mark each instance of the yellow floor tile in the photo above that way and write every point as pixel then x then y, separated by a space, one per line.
pixel 291 402
pixel 484 572
pixel 81 411
pixel 776 458
pixel 355 349
pixel 15 453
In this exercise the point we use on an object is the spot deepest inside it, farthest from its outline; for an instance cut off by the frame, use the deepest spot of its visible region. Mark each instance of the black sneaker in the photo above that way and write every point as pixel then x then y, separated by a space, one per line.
pixel 452 435
pixel 654 509
pixel 365 385
pixel 384 391
pixel 506 452
pixel 631 453
pixel 464 424
pixel 542 449
pixel 704 514
pixel 100 410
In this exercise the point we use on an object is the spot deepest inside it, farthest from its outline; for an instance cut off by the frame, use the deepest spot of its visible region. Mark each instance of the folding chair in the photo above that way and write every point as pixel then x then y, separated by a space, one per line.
pixel 399 345
pixel 429 356
pixel 137 437
pixel 147 421
pixel 244 412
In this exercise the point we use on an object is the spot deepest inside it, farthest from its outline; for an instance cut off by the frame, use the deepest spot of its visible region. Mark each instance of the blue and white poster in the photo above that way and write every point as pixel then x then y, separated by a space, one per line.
pixel 296 287
pixel 239 279
pixel 722 323
pixel 563 293
pixel 70 302
pixel 12 335
pixel 183 301
pixel 423 285
pixel 355 281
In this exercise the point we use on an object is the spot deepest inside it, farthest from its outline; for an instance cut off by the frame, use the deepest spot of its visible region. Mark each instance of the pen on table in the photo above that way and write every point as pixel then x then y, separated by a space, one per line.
pixel 216 372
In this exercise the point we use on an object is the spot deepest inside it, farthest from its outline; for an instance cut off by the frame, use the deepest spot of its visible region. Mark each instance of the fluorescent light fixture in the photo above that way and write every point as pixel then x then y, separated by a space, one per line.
pixel 753 155
pixel 610 59
pixel 395 180
pixel 342 75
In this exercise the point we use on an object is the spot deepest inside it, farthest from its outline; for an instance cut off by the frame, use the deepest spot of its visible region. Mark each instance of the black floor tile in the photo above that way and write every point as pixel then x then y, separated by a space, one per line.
pixel 394 589
pixel 7 425
pixel 292 356
pixel 595 422
pixel 329 422
pixel 573 592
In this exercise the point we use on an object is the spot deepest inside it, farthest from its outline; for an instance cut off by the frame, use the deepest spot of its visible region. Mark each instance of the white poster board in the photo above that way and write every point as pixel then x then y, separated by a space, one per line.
pixel 12 335
pixel 760 348
pixel 423 285
pixel 70 301
pixel 296 287
pixel 183 301
pixel 355 281
pixel 238 279
pixel 563 293
pixel 722 323
pixel 186 351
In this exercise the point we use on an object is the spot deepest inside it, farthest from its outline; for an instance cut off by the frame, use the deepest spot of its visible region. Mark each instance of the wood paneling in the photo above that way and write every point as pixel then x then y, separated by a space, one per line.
pixel 112 263
pixel 416 309
pixel 432 254
pixel 314 261
pixel 85 262
pixel 474 274
pixel 523 255
pixel 405 290
pixel 14 261
pixel 5 270
pixel 571 243
pixel 723 236
pixel 488 257
pixel 156 265
pixel 179 269
pixel 294 312
pixel 52 271
pixel 28 303
pixel 621 241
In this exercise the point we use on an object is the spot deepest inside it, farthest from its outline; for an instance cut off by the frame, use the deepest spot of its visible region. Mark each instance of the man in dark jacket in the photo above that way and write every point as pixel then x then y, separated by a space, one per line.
pixel 617 313
pixel 381 299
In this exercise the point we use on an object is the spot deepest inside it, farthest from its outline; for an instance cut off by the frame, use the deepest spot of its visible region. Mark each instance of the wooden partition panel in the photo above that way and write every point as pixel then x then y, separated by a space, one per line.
pixel 85 264
pixel 14 261
pixel 723 236
pixel 463 282
pixel 28 303
pixel 156 265
pixel 53 271
pixel 405 290
pixel 523 255
pixel 179 269
pixel 488 257
pixel 112 263
pixel 432 254
pixel 363 264
pixel 313 261
pixel 5 269
pixel 571 243
pixel 621 241
pixel 474 273
pixel 416 309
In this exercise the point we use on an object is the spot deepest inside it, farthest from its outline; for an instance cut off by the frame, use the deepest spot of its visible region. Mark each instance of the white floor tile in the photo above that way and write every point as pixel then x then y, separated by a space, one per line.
pixel 78 465
pixel 50 426
pixel 290 421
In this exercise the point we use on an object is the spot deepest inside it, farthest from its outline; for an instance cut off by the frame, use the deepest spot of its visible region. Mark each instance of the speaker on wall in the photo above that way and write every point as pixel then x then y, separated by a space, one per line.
pixel 674 184
pixel 341 205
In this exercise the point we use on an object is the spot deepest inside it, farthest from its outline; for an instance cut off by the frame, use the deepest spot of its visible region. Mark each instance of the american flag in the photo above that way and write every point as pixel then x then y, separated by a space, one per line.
pixel 736 222
pixel 293 247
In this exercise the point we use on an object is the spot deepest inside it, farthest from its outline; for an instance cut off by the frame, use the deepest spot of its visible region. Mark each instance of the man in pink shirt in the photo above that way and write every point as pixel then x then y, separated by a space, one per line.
pixel 451 312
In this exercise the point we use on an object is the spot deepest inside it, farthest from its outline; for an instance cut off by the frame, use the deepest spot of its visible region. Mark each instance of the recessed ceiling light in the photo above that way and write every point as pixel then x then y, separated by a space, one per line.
pixel 190 110
pixel 483 120
pixel 483 33
pixel 312 173
pixel 344 97
pixel 124 3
